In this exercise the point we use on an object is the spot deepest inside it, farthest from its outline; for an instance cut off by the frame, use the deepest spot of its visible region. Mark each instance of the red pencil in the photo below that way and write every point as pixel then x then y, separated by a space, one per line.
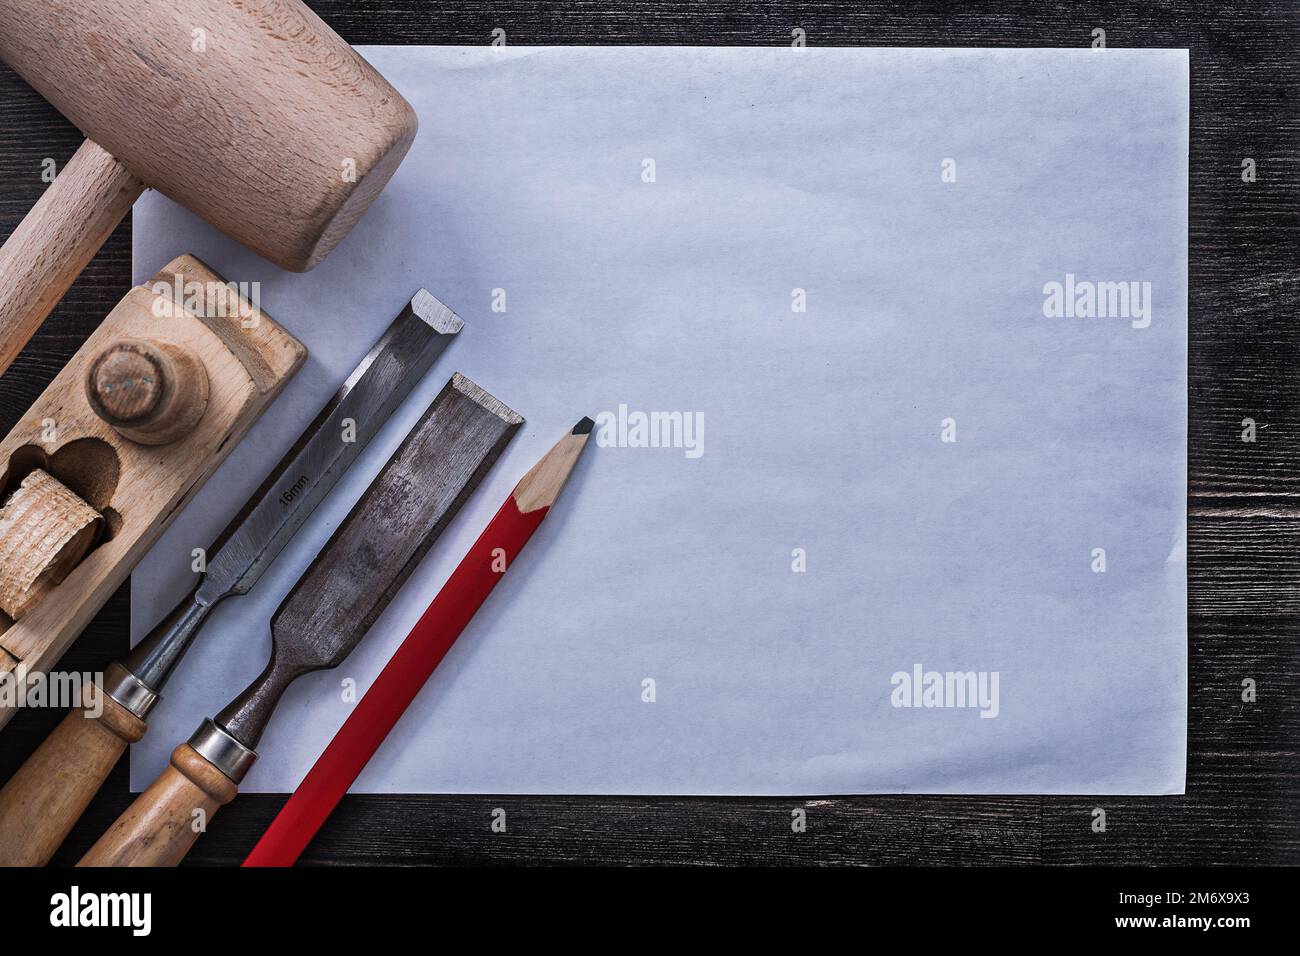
pixel 409 668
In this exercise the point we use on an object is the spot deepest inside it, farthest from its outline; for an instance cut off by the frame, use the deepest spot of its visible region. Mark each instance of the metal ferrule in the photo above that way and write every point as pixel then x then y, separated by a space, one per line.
pixel 128 690
pixel 222 750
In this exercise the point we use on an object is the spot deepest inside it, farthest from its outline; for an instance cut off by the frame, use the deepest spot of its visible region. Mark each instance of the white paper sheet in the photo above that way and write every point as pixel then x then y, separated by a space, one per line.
pixel 774 170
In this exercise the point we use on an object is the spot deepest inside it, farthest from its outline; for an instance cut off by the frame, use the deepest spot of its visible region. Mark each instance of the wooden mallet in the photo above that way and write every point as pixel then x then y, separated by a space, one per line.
pixel 253 114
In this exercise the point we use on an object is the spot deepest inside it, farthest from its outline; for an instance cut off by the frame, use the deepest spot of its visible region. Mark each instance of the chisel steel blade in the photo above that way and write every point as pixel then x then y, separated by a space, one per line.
pixel 308 472
pixel 302 479
pixel 379 543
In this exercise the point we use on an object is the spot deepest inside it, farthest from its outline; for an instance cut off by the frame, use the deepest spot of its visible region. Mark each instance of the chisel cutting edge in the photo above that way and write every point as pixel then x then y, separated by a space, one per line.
pixel 42 801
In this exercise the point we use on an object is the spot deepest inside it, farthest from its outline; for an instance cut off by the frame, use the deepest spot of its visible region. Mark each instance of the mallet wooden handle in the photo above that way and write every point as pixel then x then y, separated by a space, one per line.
pixel 42 801
pixel 163 823
pixel 56 239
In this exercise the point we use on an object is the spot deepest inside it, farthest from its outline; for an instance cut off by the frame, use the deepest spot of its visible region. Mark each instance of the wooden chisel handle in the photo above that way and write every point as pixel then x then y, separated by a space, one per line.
pixel 42 801
pixel 163 823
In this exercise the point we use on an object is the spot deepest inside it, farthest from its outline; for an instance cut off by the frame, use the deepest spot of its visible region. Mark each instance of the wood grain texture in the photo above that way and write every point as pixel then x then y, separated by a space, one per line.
pixel 285 162
pixel 159 828
pixel 41 802
pixel 1244 499
pixel 137 489
pixel 45 529
pixel 64 229
pixel 268 355
pixel 150 394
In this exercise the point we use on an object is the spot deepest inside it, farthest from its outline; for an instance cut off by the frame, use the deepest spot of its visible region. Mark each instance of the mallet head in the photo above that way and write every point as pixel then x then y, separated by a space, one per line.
pixel 253 114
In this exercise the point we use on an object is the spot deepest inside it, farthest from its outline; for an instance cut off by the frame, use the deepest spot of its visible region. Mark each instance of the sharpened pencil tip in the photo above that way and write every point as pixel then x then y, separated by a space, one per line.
pixel 584 427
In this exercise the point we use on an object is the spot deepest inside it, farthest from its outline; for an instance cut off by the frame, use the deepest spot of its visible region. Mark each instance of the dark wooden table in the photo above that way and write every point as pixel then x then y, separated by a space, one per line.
pixel 1243 499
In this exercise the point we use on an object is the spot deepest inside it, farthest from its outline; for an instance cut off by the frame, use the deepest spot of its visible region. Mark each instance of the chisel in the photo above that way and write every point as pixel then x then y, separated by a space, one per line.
pixel 42 801
pixel 323 618
pixel 397 685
